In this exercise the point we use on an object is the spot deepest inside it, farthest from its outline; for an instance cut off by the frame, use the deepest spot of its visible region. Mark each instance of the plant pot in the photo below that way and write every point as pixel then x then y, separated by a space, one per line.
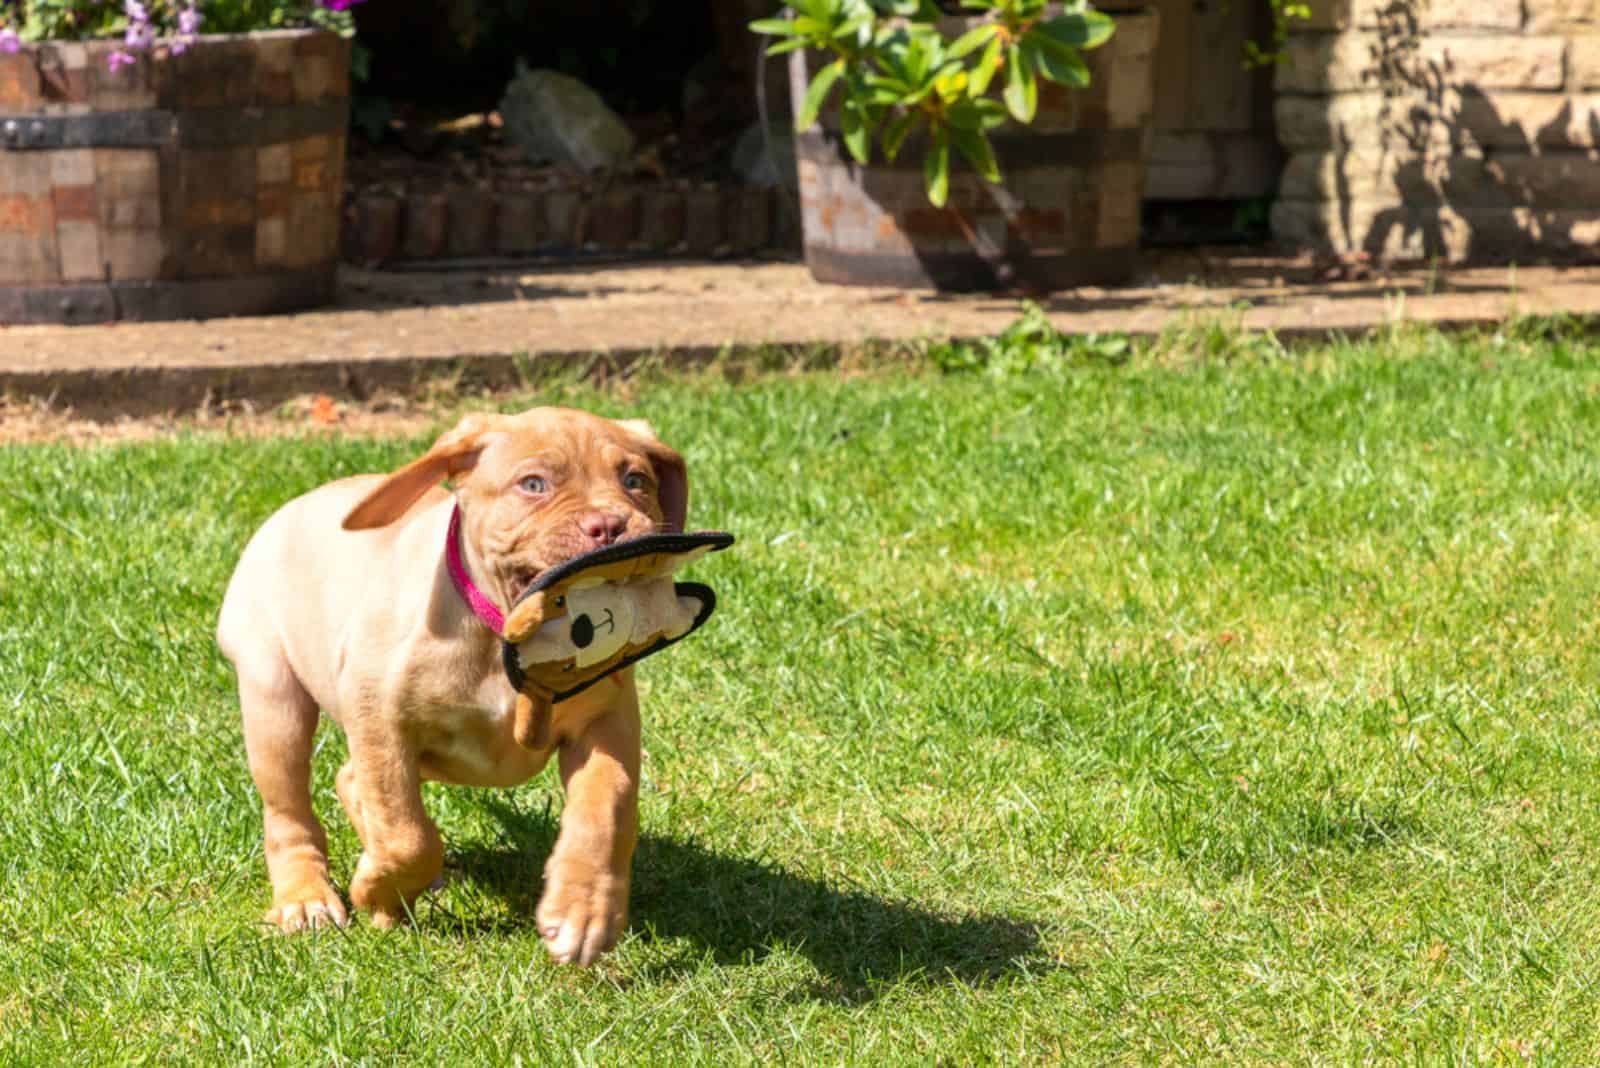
pixel 1066 213
pixel 182 186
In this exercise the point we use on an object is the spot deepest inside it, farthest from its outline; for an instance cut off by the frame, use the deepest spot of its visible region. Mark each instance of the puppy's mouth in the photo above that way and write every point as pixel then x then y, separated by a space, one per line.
pixel 524 575
pixel 522 579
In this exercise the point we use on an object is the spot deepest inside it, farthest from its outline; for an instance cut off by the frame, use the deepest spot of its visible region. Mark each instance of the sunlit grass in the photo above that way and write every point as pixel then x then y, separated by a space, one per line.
pixel 1223 703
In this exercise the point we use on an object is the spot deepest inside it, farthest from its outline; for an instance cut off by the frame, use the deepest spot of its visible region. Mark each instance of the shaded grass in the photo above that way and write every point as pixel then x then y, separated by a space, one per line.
pixel 1222 703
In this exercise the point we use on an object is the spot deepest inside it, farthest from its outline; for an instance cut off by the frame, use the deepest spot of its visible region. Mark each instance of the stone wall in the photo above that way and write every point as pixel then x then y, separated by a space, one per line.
pixel 1449 129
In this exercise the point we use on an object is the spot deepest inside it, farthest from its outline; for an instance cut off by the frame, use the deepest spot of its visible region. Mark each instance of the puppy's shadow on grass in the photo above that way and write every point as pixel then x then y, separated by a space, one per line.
pixel 738 910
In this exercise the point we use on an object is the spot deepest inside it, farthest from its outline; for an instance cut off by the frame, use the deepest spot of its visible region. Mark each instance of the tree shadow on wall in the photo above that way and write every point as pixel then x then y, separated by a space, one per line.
pixel 1465 175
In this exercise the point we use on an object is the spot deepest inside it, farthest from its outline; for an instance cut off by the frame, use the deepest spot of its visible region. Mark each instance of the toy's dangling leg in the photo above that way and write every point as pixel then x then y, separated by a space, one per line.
pixel 532 726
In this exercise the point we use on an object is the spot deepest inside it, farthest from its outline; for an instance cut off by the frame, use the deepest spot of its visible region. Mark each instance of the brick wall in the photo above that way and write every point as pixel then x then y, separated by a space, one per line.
pixel 1456 129
pixel 640 217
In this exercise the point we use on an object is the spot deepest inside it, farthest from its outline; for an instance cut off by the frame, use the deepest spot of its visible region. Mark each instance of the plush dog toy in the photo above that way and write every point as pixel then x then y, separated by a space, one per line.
pixel 598 613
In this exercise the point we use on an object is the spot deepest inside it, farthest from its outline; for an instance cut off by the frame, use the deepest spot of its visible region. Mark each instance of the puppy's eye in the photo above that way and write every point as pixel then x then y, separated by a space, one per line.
pixel 533 484
pixel 634 480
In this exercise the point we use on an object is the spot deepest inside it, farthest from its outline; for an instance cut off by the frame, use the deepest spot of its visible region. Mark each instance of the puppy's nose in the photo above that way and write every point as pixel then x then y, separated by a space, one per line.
pixel 602 528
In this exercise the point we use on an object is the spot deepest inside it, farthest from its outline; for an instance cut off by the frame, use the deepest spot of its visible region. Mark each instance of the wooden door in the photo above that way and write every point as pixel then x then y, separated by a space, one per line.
pixel 1214 137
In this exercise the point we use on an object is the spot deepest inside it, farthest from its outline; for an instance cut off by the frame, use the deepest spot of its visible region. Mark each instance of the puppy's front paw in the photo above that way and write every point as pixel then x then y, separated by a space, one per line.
pixel 583 911
pixel 388 896
pixel 313 903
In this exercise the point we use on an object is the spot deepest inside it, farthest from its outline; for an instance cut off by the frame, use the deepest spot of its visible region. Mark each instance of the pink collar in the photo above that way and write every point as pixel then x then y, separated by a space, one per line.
pixel 481 606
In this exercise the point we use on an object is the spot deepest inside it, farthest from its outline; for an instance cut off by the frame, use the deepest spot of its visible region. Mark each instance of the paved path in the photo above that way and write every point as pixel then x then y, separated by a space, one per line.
pixel 391 329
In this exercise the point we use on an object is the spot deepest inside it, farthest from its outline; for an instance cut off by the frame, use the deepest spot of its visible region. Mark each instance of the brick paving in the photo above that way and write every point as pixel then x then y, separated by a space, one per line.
pixel 485 323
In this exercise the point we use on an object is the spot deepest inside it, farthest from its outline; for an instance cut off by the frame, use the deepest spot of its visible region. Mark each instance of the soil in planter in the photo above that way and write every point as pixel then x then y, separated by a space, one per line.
pixel 459 54
pixel 432 149
pixel 679 74
pixel 460 191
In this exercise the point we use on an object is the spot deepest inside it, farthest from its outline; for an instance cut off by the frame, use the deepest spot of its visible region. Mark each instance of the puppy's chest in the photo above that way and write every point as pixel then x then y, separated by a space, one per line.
pixel 467 738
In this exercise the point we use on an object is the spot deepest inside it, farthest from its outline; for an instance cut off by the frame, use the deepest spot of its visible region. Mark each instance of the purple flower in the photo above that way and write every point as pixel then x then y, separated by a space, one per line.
pixel 138 37
pixel 188 26
pixel 140 34
pixel 117 60
pixel 9 41
pixel 340 5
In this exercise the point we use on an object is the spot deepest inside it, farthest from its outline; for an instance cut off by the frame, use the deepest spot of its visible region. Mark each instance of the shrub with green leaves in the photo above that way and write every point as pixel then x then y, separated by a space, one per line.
pixel 1284 14
pixel 898 73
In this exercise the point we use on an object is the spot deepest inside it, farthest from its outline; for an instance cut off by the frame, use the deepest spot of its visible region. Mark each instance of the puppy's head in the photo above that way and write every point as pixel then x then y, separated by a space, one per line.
pixel 539 488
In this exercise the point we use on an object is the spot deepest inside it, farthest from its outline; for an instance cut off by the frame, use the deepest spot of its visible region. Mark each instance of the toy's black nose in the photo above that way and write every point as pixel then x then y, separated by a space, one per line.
pixel 582 632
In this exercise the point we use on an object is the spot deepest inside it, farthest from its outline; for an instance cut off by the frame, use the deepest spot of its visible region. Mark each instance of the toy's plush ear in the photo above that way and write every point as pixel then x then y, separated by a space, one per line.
pixel 455 452
pixel 672 476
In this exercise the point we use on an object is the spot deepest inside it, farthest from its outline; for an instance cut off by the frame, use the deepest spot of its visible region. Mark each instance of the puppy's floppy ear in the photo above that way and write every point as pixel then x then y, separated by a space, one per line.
pixel 672 476
pixel 455 452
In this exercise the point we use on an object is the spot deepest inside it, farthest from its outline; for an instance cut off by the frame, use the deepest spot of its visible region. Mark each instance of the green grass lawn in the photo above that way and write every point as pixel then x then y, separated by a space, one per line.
pixel 1216 703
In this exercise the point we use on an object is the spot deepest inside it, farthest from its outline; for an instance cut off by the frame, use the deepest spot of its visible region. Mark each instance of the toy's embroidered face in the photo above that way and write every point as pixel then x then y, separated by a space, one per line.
pixel 599 621
pixel 602 619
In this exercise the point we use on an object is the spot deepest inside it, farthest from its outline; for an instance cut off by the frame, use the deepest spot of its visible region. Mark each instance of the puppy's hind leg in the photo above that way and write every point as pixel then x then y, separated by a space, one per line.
pixel 401 851
pixel 280 721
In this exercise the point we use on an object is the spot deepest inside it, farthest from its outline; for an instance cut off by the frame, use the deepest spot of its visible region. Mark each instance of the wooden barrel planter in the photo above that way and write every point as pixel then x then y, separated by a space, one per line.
pixel 1066 214
pixel 188 186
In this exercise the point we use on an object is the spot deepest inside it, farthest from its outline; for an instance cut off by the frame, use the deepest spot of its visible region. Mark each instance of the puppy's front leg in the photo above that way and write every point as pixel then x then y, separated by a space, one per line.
pixel 585 902
pixel 401 851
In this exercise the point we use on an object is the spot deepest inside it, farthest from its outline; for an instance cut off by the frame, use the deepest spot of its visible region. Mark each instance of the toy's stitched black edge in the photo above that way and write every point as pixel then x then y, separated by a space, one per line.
pixel 708 603
pixel 717 540
pixel 508 657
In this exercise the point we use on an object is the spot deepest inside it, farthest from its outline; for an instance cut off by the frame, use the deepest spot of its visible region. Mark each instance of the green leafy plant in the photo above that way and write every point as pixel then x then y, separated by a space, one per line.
pixel 897 74
pixel 1030 344
pixel 1283 13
